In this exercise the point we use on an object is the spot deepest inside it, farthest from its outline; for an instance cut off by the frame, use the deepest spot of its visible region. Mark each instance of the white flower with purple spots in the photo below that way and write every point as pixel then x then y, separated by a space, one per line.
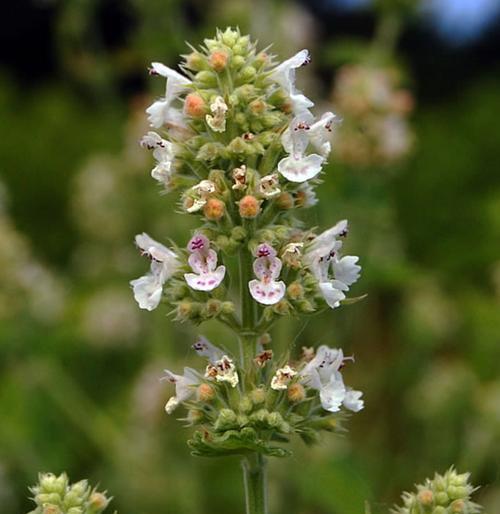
pixel 298 167
pixel 203 261
pixel 267 267
pixel 163 152
pixel 323 374
pixel 335 274
pixel 185 387
pixel 284 75
pixel 164 263
pixel 161 112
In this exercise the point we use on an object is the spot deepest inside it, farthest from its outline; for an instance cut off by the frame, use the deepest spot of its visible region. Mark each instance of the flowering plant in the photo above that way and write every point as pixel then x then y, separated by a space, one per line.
pixel 238 140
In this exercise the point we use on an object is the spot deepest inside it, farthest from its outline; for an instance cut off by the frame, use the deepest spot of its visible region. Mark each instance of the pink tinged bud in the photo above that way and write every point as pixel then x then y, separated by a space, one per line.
pixel 249 207
pixel 195 106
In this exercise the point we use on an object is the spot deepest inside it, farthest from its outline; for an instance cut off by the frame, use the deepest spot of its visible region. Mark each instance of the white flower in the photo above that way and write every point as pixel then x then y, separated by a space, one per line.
pixel 282 378
pixel 267 268
pixel 269 186
pixel 292 254
pixel 298 167
pixel 284 75
pixel 161 112
pixel 203 261
pixel 323 374
pixel 307 194
pixel 240 178
pixel 164 263
pixel 201 193
pixel 163 152
pixel 334 274
pixel 185 387
pixel 320 133
pixel 217 122
pixel 204 348
pixel 352 400
pixel 223 370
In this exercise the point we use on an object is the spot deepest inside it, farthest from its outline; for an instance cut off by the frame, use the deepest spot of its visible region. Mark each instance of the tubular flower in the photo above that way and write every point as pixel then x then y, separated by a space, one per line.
pixel 164 263
pixel 240 178
pixel 217 121
pixel 200 194
pixel 185 387
pixel 223 370
pixel 267 267
pixel 204 348
pixel 269 186
pixel 298 167
pixel 163 152
pixel 282 378
pixel 284 75
pixel 161 112
pixel 323 260
pixel 323 374
pixel 203 261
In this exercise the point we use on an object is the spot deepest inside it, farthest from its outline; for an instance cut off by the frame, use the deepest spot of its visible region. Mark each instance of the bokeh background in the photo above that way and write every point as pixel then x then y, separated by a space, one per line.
pixel 416 170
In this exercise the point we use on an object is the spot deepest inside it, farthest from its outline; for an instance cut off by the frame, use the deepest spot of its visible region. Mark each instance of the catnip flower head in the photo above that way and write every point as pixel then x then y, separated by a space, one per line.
pixel 185 387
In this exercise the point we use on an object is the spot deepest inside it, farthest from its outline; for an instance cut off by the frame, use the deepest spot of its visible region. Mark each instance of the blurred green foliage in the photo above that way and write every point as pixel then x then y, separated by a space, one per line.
pixel 79 390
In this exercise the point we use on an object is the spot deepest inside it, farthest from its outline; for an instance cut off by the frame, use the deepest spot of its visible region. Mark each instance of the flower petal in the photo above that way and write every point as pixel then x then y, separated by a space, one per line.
pixel 267 293
pixel 205 281
pixel 332 295
pixel 332 395
pixel 300 170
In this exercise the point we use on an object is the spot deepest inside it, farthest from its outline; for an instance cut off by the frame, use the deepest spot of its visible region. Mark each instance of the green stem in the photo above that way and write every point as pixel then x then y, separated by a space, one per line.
pixel 255 481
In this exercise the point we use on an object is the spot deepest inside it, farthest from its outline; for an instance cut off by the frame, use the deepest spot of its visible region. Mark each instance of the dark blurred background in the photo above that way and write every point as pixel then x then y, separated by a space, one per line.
pixel 416 164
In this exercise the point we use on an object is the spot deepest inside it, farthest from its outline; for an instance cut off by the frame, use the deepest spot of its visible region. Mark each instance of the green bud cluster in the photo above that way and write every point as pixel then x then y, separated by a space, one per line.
pixel 55 495
pixel 444 494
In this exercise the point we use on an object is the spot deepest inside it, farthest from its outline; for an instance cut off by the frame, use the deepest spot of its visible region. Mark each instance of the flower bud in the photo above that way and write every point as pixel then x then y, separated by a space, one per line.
pixel 187 310
pixel 261 60
pixel 238 233
pixel 249 207
pixel 458 507
pixel 295 291
pixel 195 106
pixel 226 420
pixel 212 308
pixel 230 37
pixel 439 510
pixel 248 73
pixel 51 509
pixel 48 498
pixel 305 306
pixel 425 497
pixel 218 60
pixel 195 61
pixel 258 395
pixel 97 502
pixel 205 392
pixel 264 339
pixel 257 106
pixel 237 62
pixel 284 201
pixel 206 78
pixel 195 416
pixel 75 510
pixel 282 308
pixel 246 404
pixel 214 209
pixel 228 308
pixel 442 498
pixel 296 392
